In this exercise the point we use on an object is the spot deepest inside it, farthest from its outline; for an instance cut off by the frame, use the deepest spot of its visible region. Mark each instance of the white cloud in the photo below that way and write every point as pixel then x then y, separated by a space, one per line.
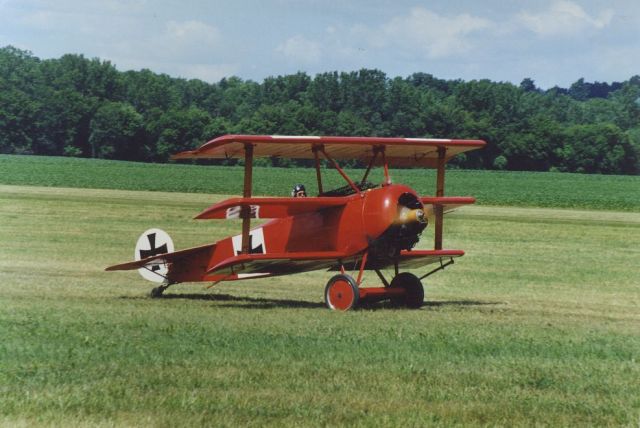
pixel 191 32
pixel 69 16
pixel 300 49
pixel 563 18
pixel 191 49
pixel 44 20
pixel 183 42
pixel 435 35
pixel 421 33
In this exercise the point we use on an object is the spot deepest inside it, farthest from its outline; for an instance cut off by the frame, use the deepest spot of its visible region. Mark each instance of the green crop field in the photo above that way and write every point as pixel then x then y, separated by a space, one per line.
pixel 539 324
pixel 527 189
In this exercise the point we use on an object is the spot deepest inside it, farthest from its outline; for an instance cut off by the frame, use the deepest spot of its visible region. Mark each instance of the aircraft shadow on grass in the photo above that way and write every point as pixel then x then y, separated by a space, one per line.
pixel 247 302
pixel 267 303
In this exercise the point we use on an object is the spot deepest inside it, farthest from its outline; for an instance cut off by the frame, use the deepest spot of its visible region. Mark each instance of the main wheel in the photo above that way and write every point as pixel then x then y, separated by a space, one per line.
pixel 341 293
pixel 414 292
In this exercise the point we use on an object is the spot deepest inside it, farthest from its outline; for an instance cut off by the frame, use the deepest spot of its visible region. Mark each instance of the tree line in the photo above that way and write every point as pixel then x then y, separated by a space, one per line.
pixel 75 106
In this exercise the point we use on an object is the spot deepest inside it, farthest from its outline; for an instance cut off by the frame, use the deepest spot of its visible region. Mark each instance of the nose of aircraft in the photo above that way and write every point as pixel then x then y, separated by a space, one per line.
pixel 408 215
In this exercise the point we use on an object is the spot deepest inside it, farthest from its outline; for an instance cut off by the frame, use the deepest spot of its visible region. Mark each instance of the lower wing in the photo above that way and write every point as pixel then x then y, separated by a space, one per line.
pixel 278 264
pixel 418 258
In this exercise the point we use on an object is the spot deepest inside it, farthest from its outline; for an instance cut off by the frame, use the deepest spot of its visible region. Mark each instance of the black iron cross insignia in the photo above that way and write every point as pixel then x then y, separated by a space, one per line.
pixel 253 250
pixel 153 250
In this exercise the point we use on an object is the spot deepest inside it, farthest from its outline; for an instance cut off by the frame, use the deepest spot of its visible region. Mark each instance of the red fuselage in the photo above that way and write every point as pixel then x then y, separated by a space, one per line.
pixel 368 220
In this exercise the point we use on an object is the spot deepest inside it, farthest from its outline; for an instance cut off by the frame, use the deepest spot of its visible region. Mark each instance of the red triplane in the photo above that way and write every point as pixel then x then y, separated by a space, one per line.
pixel 363 225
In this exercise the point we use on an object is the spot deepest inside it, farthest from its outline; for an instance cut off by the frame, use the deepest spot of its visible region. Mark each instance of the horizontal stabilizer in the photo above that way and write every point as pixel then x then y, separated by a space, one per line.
pixel 269 207
pixel 161 258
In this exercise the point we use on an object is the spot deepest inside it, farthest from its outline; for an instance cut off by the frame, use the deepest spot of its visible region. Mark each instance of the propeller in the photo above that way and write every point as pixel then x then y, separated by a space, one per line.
pixel 408 215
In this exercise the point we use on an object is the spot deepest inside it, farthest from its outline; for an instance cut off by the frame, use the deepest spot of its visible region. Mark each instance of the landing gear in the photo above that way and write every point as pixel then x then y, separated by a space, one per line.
pixel 341 293
pixel 413 296
pixel 156 293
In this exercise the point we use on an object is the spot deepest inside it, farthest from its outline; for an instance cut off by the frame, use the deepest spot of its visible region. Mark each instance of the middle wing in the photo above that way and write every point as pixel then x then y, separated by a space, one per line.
pixel 269 207
pixel 448 203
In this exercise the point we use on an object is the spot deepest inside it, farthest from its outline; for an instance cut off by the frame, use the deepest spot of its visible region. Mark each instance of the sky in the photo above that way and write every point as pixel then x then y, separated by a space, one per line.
pixel 553 42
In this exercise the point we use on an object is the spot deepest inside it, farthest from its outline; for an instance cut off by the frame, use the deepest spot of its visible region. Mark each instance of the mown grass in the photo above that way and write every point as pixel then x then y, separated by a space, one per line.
pixel 583 191
pixel 539 324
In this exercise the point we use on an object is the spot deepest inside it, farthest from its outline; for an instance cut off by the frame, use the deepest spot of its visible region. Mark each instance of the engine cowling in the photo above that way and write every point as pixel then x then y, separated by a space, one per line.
pixel 394 219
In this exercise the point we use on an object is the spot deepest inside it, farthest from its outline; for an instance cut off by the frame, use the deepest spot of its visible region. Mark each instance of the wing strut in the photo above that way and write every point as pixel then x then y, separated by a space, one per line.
pixel 441 267
pixel 245 212
pixel 387 179
pixel 342 173
pixel 371 162
pixel 318 172
pixel 439 210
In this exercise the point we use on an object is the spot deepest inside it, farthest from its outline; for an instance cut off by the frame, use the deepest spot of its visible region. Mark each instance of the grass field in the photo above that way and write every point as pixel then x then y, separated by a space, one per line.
pixel 539 324
pixel 527 189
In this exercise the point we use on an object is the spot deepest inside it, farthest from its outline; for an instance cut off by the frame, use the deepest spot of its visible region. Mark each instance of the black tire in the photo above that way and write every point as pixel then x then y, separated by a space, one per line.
pixel 414 291
pixel 341 293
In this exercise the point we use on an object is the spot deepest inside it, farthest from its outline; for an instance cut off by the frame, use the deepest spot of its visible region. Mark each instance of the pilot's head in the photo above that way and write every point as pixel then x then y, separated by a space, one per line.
pixel 299 191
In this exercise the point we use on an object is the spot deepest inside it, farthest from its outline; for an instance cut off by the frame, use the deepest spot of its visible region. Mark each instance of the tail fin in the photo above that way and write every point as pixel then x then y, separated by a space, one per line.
pixel 150 256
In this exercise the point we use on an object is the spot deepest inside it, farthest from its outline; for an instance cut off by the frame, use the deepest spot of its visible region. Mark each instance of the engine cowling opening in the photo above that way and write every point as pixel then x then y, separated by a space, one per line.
pixel 405 230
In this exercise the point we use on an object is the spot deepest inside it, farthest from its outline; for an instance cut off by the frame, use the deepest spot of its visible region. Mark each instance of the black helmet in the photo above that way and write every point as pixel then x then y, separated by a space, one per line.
pixel 298 188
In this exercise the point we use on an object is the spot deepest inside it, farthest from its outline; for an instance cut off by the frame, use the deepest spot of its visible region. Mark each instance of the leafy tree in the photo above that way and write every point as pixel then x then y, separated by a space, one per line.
pixel 84 107
pixel 62 117
pixel 600 148
pixel 19 105
pixel 115 130
pixel 325 92
pixel 528 85
pixel 180 130
pixel 146 91
pixel 500 162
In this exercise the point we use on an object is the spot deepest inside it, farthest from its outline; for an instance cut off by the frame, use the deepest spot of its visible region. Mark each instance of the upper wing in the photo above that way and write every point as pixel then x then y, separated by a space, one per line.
pixel 269 207
pixel 410 152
